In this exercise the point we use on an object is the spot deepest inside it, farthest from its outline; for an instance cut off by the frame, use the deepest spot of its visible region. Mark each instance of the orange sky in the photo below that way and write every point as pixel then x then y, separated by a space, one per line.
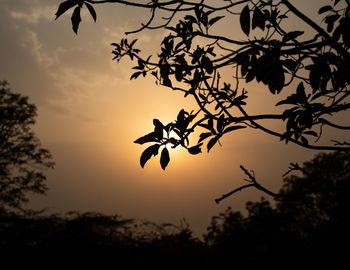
pixel 90 114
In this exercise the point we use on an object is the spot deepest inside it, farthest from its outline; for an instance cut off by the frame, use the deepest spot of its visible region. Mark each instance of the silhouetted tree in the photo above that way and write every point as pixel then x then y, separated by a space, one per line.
pixel 310 70
pixel 308 224
pixel 22 160
pixel 316 202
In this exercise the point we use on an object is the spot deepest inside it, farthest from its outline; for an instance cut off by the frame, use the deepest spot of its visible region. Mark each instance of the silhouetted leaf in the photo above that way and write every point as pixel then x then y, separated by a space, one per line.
pixel 292 35
pixel 212 142
pixel 194 150
pixel 290 64
pixel 208 64
pixel 63 7
pixel 76 19
pixel 198 12
pixel 135 75
pixel 164 158
pixel 250 76
pixel 301 93
pixel 178 74
pixel 148 153
pixel 220 123
pixel 304 140
pixel 325 9
pixel 91 10
pixel 330 20
pixel 244 20
pixel 190 18
pixel 167 82
pixel 150 137
pixel 158 129
pixel 204 135
pixel 276 82
pixel 259 19
pixel 215 19
pixel 245 67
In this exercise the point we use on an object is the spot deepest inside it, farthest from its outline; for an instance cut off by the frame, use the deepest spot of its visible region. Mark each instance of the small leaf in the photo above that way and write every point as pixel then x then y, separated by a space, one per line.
pixel 208 64
pixel 301 92
pixel 135 75
pixel 244 20
pixel 290 64
pixel 330 20
pixel 220 123
pixel 215 19
pixel 164 158
pixel 63 7
pixel 194 150
pixel 91 10
pixel 259 19
pixel 158 129
pixel 277 82
pixel 76 19
pixel 212 142
pixel 150 137
pixel 304 140
pixel 198 12
pixel 292 35
pixel 148 153
pixel 190 18
pixel 325 9
pixel 167 82
pixel 203 136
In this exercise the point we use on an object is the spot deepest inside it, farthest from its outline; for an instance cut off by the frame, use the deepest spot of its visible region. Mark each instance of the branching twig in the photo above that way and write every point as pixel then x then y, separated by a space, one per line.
pixel 252 183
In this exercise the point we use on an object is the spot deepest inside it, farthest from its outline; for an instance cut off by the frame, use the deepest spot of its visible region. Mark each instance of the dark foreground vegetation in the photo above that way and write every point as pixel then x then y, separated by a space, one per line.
pixel 308 226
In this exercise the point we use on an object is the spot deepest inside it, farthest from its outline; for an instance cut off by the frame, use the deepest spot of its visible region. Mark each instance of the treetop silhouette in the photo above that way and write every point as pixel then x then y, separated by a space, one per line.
pixel 22 160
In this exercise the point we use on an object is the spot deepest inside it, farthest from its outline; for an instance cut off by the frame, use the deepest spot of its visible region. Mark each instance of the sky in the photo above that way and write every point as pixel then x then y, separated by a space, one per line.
pixel 89 114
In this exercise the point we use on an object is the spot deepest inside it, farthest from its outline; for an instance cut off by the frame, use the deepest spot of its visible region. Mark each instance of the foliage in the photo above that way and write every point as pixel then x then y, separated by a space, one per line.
pixel 308 71
pixel 22 160
pixel 126 241
pixel 307 225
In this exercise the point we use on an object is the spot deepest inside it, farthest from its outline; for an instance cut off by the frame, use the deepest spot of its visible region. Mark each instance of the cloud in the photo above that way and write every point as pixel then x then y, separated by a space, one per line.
pixel 31 41
pixel 34 13
pixel 45 60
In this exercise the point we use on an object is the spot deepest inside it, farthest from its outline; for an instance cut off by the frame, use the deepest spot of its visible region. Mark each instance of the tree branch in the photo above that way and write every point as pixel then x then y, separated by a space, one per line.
pixel 316 27
pixel 253 183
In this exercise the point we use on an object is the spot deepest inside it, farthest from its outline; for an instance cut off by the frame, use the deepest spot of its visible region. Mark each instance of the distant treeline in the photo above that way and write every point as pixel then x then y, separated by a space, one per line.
pixel 301 229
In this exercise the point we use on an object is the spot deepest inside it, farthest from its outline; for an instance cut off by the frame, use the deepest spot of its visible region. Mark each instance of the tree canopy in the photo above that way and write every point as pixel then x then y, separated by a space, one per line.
pixel 308 70
pixel 309 230
pixel 22 160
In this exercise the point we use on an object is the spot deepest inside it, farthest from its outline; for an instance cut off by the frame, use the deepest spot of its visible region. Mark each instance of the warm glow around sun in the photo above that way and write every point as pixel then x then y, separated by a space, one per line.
pixel 90 113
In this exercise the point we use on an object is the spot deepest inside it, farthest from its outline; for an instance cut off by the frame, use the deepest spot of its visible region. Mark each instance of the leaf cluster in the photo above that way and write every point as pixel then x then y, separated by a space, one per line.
pixel 311 70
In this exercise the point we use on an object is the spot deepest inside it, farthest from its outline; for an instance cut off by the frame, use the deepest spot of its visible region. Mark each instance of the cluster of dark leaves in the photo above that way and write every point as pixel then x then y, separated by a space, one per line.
pixel 75 18
pixel 276 58
pixel 170 135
